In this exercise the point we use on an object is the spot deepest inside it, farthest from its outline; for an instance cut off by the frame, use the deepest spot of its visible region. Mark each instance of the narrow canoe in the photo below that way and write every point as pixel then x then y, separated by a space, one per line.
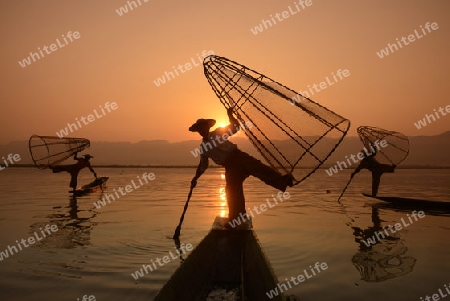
pixel 225 260
pixel 409 204
pixel 95 185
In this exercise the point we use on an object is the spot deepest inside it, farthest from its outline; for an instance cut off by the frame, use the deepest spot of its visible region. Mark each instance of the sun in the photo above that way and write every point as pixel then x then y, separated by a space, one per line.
pixel 221 124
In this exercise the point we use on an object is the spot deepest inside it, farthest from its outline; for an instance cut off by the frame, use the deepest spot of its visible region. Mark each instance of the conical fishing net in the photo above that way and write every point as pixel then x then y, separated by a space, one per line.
pixel 291 132
pixel 397 148
pixel 49 150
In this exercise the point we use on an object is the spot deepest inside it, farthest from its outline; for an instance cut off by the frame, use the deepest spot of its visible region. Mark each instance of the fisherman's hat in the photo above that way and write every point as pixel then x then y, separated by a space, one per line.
pixel 201 122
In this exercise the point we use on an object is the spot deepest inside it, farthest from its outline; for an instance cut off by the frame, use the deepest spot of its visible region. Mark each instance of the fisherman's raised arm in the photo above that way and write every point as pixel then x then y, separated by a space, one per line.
pixel 234 126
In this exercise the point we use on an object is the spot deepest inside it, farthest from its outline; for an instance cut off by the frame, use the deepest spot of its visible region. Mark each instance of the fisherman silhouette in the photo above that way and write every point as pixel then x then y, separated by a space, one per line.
pixel 376 168
pixel 238 164
pixel 74 169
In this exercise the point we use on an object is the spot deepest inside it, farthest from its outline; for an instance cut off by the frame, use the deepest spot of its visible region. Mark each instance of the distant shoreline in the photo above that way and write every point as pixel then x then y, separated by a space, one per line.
pixel 217 166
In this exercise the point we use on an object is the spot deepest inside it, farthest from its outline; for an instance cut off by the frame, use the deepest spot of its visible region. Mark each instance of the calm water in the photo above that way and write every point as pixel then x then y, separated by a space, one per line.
pixel 95 251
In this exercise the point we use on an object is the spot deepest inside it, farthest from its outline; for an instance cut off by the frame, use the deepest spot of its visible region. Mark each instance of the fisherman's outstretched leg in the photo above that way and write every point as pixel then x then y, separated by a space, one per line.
pixel 60 168
pixel 263 172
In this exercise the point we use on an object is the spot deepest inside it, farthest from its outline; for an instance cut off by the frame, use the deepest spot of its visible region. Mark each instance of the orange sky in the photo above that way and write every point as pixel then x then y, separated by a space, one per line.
pixel 117 58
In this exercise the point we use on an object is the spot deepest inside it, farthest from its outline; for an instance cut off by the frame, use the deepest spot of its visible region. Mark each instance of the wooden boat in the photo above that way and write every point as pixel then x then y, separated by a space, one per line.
pixel 408 204
pixel 227 259
pixel 95 185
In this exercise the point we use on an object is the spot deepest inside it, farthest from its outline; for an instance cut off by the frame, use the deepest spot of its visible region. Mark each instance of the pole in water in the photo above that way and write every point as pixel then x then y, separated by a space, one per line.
pixel 345 188
pixel 178 229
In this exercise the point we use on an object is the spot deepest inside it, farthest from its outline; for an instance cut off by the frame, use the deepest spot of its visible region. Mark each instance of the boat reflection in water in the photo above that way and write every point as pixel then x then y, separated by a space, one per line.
pixel 74 226
pixel 386 259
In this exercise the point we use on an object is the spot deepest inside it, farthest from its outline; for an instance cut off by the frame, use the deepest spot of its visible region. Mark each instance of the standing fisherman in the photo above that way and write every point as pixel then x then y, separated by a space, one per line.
pixel 378 169
pixel 238 164
pixel 74 169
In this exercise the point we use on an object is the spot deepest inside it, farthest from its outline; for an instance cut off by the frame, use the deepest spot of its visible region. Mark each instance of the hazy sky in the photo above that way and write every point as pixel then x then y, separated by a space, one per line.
pixel 118 58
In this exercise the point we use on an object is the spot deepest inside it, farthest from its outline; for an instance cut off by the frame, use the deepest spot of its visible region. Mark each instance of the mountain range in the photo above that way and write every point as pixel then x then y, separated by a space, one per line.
pixel 425 151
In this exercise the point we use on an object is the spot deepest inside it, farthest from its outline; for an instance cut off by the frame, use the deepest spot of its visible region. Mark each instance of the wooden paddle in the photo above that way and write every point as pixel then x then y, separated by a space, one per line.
pixel 178 229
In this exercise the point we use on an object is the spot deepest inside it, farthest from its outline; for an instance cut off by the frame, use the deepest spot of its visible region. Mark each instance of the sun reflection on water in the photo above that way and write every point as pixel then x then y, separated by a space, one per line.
pixel 222 199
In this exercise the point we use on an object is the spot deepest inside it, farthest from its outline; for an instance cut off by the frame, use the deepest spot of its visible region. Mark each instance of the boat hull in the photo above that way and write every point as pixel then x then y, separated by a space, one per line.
pixel 409 204
pixel 225 259
pixel 95 185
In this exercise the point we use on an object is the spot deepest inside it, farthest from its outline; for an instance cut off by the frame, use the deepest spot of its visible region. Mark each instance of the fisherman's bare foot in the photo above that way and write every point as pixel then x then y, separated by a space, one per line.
pixel 281 182
pixel 285 181
pixel 290 180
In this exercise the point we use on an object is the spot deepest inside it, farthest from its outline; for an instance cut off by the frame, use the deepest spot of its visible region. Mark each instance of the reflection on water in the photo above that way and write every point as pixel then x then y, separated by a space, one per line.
pixel 96 250
pixel 74 226
pixel 223 206
pixel 384 260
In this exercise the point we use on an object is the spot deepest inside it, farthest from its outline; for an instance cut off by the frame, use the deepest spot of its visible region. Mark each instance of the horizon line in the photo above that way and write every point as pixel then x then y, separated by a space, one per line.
pixel 245 137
